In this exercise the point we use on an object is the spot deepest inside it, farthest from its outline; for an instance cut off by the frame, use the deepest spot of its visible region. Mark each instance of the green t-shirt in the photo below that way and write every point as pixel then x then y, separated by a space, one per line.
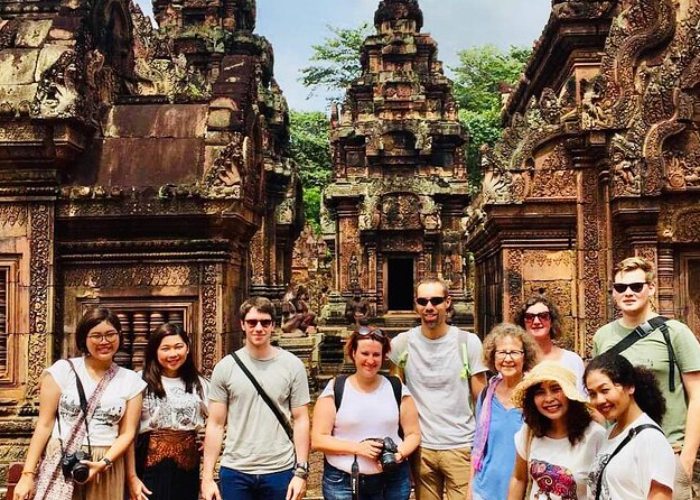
pixel 651 352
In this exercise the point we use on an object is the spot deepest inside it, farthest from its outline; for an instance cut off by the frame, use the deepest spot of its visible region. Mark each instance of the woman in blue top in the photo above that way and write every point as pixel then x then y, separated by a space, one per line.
pixel 510 352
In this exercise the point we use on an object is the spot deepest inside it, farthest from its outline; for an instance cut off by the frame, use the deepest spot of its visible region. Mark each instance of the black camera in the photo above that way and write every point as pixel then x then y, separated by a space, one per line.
pixel 387 457
pixel 73 469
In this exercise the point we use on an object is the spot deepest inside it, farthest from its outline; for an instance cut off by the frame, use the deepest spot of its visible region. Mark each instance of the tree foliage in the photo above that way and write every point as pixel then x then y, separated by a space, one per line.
pixel 337 61
pixel 480 73
pixel 311 149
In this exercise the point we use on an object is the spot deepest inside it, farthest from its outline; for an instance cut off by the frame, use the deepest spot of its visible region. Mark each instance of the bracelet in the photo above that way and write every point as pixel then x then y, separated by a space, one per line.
pixel 28 472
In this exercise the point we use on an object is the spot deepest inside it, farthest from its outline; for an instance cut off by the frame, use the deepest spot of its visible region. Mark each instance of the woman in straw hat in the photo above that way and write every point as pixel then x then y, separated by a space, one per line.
pixel 510 352
pixel 557 444
pixel 636 462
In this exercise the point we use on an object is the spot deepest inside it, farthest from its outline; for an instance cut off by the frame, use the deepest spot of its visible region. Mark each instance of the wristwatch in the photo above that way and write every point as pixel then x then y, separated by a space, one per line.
pixel 301 470
pixel 107 462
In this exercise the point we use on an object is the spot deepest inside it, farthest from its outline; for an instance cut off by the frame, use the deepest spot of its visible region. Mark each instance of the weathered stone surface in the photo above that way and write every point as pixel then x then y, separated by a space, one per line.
pixel 16 94
pixel 157 121
pixel 48 56
pixel 32 33
pixel 17 66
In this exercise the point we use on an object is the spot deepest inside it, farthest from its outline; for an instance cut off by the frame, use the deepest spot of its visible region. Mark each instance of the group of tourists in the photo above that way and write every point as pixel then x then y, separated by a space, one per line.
pixel 543 426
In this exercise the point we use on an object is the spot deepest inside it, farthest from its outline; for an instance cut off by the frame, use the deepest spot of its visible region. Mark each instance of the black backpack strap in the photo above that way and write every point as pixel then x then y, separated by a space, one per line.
pixel 338 390
pixel 657 322
pixel 637 334
pixel 397 388
pixel 284 422
pixel 671 357
pixel 630 435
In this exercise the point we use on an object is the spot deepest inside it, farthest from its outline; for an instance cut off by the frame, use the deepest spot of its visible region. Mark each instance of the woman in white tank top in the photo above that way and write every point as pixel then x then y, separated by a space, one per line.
pixel 355 436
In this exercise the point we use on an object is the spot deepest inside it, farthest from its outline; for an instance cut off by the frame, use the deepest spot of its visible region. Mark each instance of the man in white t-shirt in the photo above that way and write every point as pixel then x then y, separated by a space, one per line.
pixel 258 462
pixel 444 370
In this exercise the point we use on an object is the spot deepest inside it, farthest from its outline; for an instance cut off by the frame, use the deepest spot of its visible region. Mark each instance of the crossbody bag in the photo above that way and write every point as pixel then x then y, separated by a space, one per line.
pixel 630 435
pixel 281 417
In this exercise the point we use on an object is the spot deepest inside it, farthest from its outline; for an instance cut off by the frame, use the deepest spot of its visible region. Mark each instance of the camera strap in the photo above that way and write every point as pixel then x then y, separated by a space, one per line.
pixel 355 480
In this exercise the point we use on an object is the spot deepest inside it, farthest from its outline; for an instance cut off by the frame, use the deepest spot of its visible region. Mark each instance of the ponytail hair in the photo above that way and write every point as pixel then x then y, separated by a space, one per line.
pixel 647 393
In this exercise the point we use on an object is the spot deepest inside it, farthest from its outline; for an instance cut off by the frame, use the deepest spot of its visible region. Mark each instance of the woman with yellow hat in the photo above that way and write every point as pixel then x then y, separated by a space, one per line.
pixel 559 440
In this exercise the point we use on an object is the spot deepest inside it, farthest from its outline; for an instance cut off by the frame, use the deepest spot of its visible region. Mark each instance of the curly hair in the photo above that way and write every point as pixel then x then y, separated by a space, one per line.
pixel 619 370
pixel 504 330
pixel 577 417
pixel 555 325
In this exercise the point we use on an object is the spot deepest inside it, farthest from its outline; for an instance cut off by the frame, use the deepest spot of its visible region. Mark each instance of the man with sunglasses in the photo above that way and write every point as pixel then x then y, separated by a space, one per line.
pixel 669 349
pixel 444 370
pixel 260 461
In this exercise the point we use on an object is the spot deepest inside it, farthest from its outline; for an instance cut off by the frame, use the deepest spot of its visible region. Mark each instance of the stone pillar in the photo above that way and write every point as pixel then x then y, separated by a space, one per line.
pixel 349 251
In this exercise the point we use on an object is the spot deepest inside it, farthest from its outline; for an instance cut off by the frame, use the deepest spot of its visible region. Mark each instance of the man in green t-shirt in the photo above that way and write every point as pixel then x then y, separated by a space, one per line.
pixel 633 288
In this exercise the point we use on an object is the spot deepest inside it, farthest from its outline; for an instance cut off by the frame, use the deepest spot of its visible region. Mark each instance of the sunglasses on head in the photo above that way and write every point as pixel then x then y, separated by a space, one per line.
pixel 365 331
pixel 252 323
pixel 424 301
pixel 542 316
pixel 635 287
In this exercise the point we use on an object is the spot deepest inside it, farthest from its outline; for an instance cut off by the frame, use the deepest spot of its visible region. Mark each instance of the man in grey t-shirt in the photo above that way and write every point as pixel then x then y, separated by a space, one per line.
pixel 258 462
pixel 444 369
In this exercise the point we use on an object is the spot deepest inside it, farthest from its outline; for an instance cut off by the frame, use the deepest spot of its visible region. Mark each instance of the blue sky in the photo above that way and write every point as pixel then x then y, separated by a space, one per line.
pixel 293 26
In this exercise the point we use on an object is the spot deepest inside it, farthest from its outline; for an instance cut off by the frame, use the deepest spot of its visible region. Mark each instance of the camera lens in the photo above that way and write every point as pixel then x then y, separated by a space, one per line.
pixel 81 472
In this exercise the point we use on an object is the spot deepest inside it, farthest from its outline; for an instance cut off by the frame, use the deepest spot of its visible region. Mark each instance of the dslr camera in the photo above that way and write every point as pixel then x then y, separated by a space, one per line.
pixel 387 457
pixel 73 469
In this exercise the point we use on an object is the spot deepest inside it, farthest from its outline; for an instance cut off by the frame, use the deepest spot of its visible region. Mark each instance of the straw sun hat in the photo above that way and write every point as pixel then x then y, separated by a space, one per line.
pixel 548 371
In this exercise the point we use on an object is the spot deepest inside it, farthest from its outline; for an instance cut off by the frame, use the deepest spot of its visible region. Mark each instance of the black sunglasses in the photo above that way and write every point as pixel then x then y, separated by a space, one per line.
pixel 542 316
pixel 635 287
pixel 423 301
pixel 252 323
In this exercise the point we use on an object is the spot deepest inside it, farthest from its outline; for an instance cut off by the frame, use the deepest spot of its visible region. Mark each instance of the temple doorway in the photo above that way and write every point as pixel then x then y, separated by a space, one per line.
pixel 399 285
pixel 690 291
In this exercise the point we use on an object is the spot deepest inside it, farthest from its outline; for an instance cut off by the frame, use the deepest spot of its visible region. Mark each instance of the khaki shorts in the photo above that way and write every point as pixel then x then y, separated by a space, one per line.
pixel 438 472
pixel 682 485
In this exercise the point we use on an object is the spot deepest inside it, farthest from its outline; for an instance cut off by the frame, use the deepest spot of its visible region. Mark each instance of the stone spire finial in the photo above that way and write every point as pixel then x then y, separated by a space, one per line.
pixel 396 10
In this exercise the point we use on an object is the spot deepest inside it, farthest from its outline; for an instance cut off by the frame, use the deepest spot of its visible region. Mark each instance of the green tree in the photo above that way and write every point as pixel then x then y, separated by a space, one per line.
pixel 337 61
pixel 478 76
pixel 311 149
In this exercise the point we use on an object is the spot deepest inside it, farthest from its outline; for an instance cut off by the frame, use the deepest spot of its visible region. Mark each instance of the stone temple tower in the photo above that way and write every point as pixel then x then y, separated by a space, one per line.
pixel 400 182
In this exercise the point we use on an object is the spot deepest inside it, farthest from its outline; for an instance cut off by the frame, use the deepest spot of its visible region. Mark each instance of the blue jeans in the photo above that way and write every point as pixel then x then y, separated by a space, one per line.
pixel 237 485
pixel 394 485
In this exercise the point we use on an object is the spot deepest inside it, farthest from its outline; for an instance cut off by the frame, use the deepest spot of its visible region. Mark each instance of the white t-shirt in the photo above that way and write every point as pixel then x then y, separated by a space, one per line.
pixel 647 457
pixel 179 411
pixel 559 471
pixel 433 375
pixel 573 362
pixel 361 416
pixel 103 426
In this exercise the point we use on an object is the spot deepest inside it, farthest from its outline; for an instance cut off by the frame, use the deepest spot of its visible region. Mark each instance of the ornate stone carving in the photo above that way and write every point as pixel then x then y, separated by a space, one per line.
pixel 400 211
pixel 13 215
pixel 515 283
pixel 556 178
pixel 559 291
pixel 40 263
pixel 141 275
pixel 225 178
pixel 210 330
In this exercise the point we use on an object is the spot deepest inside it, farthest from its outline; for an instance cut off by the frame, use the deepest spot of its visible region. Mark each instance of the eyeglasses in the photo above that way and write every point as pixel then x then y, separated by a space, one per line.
pixel 99 337
pixel 514 355
pixel 376 333
pixel 435 301
pixel 542 316
pixel 635 287
pixel 252 323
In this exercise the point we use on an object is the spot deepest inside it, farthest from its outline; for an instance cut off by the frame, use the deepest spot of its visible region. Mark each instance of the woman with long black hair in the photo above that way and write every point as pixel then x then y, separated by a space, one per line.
pixel 166 465
pixel 636 461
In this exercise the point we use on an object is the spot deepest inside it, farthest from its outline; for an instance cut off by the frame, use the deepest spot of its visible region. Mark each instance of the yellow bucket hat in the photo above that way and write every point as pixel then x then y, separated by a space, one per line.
pixel 548 371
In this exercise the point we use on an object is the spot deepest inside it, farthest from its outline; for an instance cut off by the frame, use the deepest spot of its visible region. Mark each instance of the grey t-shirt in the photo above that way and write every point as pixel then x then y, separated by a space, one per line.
pixel 432 375
pixel 256 443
